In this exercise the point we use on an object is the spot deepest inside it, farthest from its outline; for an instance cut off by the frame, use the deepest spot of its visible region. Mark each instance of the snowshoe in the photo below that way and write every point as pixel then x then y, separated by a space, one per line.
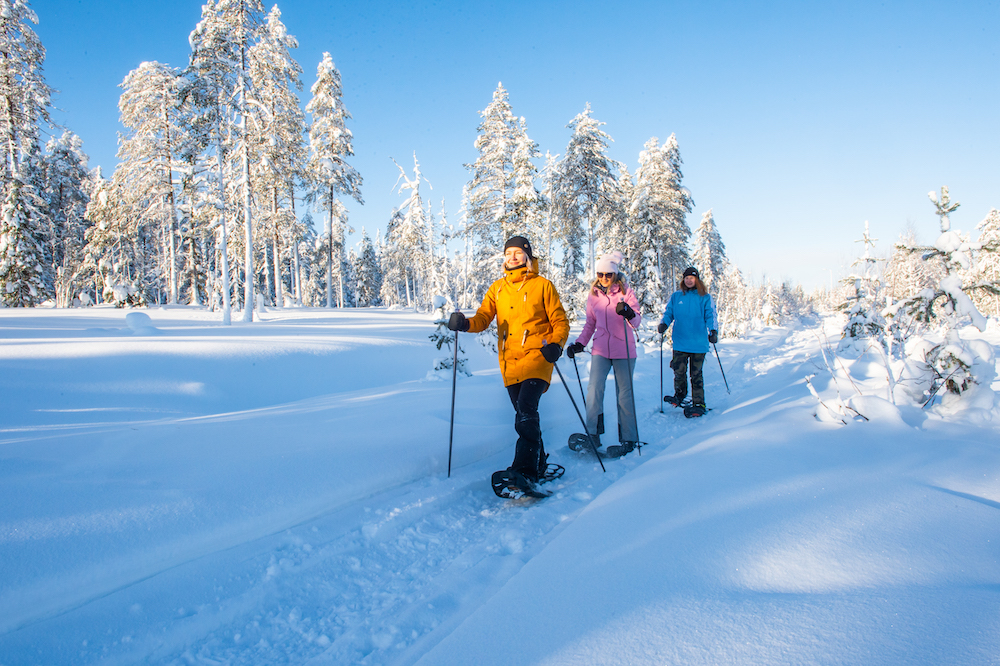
pixel 580 442
pixel 692 411
pixel 618 450
pixel 510 484
pixel 552 472
pixel 675 401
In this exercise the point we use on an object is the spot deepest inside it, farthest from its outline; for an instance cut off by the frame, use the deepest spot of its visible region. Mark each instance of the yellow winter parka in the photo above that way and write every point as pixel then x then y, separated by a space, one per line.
pixel 529 314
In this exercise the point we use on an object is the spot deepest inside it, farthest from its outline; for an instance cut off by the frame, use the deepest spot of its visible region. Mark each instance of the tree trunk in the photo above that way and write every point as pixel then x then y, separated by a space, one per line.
pixel 329 263
pixel 278 296
pixel 226 302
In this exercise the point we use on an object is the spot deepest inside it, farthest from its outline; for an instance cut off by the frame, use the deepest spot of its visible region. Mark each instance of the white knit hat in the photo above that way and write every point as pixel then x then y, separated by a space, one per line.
pixel 610 262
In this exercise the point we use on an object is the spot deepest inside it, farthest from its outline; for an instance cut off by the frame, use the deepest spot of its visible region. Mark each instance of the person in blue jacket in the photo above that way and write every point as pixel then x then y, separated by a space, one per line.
pixel 692 312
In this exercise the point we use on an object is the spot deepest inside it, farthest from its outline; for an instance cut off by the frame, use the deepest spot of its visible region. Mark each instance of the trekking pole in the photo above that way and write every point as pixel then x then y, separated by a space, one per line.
pixel 582 394
pixel 454 382
pixel 635 414
pixel 660 400
pixel 720 367
pixel 589 436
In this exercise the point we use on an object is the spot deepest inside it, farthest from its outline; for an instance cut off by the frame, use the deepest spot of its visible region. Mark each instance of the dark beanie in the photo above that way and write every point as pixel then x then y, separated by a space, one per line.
pixel 521 242
pixel 691 270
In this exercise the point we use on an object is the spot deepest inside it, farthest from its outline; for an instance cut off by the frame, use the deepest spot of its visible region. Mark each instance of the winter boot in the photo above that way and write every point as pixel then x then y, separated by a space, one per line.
pixel 618 450
pixel 695 410
pixel 675 400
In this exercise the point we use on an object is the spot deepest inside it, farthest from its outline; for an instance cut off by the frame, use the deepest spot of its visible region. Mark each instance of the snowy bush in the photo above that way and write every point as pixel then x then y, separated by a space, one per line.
pixel 945 306
pixel 864 306
pixel 444 338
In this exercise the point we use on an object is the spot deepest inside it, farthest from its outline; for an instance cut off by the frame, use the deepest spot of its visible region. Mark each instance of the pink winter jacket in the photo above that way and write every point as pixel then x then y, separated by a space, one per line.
pixel 608 327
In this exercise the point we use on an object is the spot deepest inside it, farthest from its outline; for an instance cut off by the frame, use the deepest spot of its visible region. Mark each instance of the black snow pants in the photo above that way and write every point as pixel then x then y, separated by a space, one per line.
pixel 529 454
pixel 679 364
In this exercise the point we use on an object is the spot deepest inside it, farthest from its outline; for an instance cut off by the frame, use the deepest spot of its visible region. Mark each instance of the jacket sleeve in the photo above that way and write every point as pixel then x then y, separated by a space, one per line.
pixel 633 303
pixel 668 314
pixel 487 311
pixel 557 316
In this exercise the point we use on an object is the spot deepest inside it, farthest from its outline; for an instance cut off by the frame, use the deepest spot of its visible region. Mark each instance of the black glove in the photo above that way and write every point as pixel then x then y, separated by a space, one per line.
pixel 713 336
pixel 662 328
pixel 625 310
pixel 458 322
pixel 574 349
pixel 551 352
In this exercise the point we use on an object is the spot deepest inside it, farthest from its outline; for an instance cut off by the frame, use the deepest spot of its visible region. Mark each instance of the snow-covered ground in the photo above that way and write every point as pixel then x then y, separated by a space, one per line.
pixel 179 492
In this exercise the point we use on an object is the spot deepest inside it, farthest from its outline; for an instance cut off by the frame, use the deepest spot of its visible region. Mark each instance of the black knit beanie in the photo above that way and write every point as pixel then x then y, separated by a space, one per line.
pixel 521 242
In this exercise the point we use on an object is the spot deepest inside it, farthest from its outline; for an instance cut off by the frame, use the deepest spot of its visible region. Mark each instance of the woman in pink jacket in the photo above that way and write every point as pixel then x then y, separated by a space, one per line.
pixel 612 316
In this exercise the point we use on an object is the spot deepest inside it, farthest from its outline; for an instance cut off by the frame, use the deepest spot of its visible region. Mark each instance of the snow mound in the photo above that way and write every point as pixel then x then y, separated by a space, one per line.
pixel 141 324
pixel 877 410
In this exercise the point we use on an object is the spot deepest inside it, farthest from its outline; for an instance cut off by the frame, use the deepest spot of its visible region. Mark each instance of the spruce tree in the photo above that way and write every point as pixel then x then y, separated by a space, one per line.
pixel 368 273
pixel 501 198
pixel 709 254
pixel 24 94
pixel 21 253
pixel 587 198
pixel 66 182
pixel 330 143
pixel 675 232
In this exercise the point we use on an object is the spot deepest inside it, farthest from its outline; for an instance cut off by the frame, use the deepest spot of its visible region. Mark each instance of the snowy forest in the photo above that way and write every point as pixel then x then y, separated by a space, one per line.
pixel 230 188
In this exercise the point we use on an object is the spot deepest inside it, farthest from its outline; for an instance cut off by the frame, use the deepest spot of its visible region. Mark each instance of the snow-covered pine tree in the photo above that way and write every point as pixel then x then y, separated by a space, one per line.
pixel 216 78
pixel 407 248
pixel 548 225
pixel 150 112
pixel 866 302
pixel 709 254
pixel 479 262
pixel 306 284
pixel 650 205
pixel 277 138
pixel 220 65
pixel 437 241
pixel 21 253
pixel 197 208
pixel 733 308
pixel 332 246
pixel 26 100
pixel 66 183
pixel 947 304
pixel 368 273
pixel 586 194
pixel 24 94
pixel 618 234
pixel 528 205
pixel 500 200
pixel 674 232
pixel 330 143
pixel 444 339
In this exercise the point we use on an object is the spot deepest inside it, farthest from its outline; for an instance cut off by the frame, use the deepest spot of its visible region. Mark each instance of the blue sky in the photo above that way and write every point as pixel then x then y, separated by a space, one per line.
pixel 797 121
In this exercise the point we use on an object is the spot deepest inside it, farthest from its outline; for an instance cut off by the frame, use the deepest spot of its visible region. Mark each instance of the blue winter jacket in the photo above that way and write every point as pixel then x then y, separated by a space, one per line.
pixel 693 316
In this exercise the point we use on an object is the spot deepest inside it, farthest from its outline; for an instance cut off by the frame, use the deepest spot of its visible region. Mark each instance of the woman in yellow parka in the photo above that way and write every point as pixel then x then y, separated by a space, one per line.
pixel 531 332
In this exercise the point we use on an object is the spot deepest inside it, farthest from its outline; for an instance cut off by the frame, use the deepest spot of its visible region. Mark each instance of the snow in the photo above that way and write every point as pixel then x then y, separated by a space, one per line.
pixel 181 492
